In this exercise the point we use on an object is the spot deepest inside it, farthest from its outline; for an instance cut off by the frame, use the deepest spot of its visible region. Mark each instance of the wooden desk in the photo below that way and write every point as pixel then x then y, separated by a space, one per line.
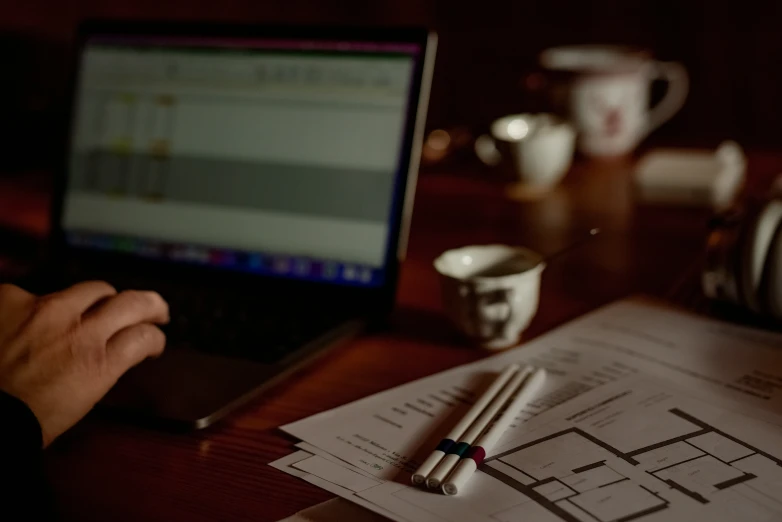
pixel 104 471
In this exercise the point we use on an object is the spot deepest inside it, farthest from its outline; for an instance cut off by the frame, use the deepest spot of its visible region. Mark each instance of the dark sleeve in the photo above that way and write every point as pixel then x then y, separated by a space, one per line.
pixel 24 488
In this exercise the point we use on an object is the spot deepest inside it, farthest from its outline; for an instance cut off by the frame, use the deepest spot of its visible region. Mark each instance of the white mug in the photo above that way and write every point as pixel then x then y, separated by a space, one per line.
pixel 535 150
pixel 491 292
pixel 609 94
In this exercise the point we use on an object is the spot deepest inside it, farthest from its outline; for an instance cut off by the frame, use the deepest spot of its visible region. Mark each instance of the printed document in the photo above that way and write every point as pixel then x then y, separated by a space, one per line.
pixel 386 435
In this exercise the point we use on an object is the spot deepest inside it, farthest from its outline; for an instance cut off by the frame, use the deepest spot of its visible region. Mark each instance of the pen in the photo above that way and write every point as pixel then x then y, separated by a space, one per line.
pixel 449 442
pixel 470 462
pixel 449 462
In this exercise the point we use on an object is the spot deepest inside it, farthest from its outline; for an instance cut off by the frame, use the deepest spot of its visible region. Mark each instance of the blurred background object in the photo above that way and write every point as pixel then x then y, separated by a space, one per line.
pixel 605 90
pixel 487 53
pixel 534 151
pixel 711 178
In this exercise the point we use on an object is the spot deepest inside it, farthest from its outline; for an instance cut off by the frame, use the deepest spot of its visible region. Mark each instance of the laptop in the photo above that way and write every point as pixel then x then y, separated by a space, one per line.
pixel 260 179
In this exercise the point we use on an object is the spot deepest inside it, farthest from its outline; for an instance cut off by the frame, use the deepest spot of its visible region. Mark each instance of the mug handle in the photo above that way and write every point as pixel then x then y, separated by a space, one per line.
pixel 678 86
pixel 486 150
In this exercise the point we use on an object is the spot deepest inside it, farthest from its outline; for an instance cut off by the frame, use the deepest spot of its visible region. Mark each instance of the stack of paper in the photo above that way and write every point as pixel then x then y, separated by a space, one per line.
pixel 648 413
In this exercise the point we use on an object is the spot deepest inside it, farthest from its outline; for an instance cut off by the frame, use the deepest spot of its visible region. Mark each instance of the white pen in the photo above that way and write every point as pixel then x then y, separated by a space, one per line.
pixel 470 462
pixel 449 441
pixel 449 462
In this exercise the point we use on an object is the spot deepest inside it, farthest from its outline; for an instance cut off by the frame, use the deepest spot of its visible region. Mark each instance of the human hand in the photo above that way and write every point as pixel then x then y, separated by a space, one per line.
pixel 62 352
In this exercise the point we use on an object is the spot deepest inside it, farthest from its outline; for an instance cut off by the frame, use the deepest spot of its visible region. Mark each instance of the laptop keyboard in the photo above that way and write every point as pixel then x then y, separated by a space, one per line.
pixel 262 328
pixel 241 327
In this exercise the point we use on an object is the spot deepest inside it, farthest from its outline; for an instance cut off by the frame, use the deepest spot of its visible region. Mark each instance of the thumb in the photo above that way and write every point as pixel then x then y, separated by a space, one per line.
pixel 132 345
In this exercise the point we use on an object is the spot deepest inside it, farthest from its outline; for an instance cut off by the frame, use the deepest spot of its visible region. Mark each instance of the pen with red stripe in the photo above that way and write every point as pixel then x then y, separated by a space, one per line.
pixel 487 416
pixel 449 444
pixel 474 457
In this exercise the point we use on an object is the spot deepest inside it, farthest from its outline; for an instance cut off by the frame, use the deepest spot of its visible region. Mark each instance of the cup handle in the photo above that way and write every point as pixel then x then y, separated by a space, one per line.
pixel 678 86
pixel 487 151
pixel 506 298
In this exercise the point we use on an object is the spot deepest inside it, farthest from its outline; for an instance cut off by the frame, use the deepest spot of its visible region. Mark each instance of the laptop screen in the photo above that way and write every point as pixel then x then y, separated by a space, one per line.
pixel 276 157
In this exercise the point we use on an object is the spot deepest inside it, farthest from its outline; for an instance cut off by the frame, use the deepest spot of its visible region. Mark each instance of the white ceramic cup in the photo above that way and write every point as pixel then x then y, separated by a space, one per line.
pixel 609 94
pixel 535 150
pixel 491 292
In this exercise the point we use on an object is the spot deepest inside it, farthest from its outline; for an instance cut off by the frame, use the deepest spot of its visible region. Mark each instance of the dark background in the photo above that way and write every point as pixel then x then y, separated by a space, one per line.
pixel 733 51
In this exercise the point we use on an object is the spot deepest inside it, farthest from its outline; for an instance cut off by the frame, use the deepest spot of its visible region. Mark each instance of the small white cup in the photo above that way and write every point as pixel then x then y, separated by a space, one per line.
pixel 535 150
pixel 491 292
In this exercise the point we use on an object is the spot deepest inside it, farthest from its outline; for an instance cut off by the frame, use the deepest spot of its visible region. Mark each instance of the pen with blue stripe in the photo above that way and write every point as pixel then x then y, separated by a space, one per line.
pixel 449 445
pixel 526 389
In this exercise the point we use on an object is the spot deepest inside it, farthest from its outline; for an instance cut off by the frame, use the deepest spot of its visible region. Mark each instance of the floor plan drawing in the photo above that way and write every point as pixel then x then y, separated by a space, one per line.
pixel 629 451
pixel 581 478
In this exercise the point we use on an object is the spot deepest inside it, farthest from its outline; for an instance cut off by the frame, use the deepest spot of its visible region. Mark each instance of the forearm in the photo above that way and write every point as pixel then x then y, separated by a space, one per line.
pixel 20 434
pixel 24 489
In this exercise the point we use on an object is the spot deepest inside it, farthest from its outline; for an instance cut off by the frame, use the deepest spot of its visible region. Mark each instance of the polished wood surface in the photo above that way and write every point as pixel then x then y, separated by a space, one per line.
pixel 104 470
